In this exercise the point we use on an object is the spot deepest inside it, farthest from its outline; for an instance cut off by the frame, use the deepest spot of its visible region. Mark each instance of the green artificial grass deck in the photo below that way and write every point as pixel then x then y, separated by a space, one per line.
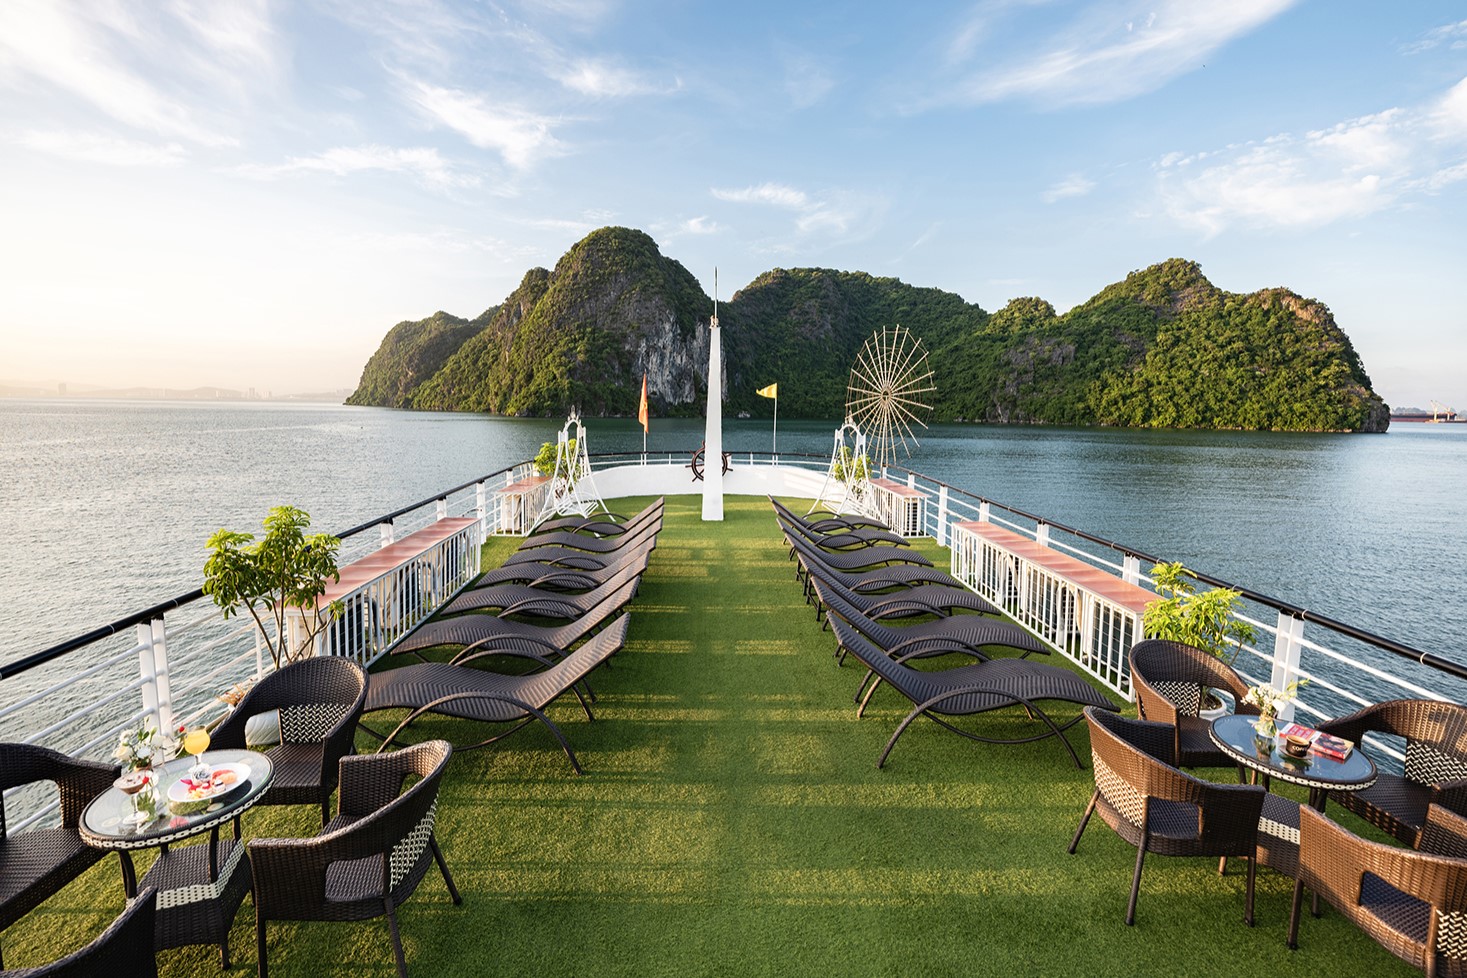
pixel 732 821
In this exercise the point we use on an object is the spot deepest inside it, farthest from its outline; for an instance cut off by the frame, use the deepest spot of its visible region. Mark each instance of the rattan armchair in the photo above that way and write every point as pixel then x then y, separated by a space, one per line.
pixel 124 949
pixel 369 858
pixel 1170 680
pixel 1411 903
pixel 1158 808
pixel 37 863
pixel 1436 764
pixel 320 700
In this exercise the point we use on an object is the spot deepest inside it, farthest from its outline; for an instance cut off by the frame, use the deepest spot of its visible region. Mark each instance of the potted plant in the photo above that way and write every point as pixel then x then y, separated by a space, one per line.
pixel 277 579
pixel 1202 619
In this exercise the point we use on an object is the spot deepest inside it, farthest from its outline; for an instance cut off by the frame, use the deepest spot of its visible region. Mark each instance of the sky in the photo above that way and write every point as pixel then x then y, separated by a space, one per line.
pixel 250 194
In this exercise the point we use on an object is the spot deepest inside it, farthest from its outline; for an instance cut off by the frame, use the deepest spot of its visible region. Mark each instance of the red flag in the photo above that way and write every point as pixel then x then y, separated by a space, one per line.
pixel 642 411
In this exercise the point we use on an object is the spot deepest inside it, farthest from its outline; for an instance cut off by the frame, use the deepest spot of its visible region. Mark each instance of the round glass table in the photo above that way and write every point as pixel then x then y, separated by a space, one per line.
pixel 199 886
pixel 1234 735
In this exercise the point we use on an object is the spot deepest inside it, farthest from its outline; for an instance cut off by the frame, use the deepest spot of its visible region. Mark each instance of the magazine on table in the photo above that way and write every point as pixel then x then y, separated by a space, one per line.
pixel 1320 742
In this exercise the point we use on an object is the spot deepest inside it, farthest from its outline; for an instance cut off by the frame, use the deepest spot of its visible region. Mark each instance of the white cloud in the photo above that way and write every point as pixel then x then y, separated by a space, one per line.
pixel 518 136
pixel 1074 185
pixel 423 163
pixel 1453 36
pixel 84 52
pixel 601 79
pixel 1349 170
pixel 699 225
pixel 839 213
pixel 1114 51
pixel 100 148
pixel 776 194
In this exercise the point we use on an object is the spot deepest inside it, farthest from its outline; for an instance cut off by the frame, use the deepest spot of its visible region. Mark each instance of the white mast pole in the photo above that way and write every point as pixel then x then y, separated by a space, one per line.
pixel 713 429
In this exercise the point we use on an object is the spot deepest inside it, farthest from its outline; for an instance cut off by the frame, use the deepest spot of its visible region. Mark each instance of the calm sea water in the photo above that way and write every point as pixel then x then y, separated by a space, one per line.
pixel 106 505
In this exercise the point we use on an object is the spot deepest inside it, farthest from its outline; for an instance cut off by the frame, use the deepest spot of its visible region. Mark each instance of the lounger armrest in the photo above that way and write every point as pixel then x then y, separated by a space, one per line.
pixel 895 604
pixel 488 645
pixel 540 606
pixel 516 653
pixel 931 645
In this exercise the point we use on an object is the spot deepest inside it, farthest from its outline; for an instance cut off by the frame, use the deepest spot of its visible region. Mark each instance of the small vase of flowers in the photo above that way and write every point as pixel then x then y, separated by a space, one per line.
pixel 141 747
pixel 1269 702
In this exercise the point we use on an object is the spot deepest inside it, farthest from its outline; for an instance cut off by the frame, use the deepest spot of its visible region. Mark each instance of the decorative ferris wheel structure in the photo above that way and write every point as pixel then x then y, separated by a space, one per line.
pixel 887 393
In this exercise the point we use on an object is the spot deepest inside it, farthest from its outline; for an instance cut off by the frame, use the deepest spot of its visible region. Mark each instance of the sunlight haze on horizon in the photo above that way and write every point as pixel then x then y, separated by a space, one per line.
pixel 251 194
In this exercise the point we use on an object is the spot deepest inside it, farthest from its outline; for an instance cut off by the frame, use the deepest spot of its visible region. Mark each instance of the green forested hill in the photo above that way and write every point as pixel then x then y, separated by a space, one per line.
pixel 1163 347
pixel 410 354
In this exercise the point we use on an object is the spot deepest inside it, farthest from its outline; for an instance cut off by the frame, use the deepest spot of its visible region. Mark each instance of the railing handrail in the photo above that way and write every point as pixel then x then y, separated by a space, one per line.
pixel 1429 659
pixel 26 663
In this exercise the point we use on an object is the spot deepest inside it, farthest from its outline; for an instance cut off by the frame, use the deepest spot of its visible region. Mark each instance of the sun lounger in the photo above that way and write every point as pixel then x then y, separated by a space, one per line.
pixel 580 559
pixel 839 539
pixel 490 631
pixel 554 576
pixel 925 599
pixel 587 542
pixel 466 693
pixel 604 524
pixel 972 689
pixel 823 521
pixel 836 536
pixel 520 599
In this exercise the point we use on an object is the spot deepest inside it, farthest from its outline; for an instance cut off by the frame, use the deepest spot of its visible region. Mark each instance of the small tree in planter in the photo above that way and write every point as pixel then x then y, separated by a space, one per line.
pixel 1204 619
pixel 284 571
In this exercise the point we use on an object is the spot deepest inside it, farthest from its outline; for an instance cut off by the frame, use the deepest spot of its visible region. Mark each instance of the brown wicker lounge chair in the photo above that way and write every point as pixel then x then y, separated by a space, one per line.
pixel 36 863
pixel 835 538
pixel 1157 808
pixel 546 602
pixel 459 690
pixel 1436 763
pixel 1169 679
pixel 924 599
pixel 319 701
pixel 601 524
pixel 368 859
pixel 123 950
pixel 824 521
pixel 974 689
pixel 1411 903
pixel 482 631
pixel 580 558
pixel 587 542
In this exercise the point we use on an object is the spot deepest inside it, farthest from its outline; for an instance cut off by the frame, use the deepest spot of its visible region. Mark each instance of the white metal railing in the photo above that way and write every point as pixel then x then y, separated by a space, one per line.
pixel 1346 667
pixel 168 666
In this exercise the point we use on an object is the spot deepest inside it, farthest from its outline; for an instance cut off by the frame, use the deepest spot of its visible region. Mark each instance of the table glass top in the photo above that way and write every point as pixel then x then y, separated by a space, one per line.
pixel 1235 734
pixel 106 820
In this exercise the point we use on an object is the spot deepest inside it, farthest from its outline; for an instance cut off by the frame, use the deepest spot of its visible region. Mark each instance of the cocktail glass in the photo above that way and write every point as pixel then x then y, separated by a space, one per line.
pixel 132 784
pixel 195 742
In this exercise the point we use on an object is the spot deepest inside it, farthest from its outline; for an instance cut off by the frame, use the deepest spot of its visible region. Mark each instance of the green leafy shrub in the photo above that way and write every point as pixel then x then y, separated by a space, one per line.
pixel 285 571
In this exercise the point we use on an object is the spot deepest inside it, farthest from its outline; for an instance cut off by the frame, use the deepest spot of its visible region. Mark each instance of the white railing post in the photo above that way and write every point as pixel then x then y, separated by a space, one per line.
pixel 481 501
pixel 1286 649
pixel 1041 534
pixel 942 531
pixel 441 508
pixel 385 529
pixel 1131 569
pixel 153 668
pixel 983 512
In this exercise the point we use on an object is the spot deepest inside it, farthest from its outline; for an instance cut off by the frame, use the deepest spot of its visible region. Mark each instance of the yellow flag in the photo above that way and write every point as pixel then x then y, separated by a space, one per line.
pixel 771 391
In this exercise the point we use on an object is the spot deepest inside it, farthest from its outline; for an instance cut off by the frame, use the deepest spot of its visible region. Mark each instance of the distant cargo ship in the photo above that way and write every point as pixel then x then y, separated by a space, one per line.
pixel 1439 414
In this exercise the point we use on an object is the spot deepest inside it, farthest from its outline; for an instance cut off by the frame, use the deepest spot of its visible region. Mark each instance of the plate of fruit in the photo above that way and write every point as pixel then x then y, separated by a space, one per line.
pixel 222 779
